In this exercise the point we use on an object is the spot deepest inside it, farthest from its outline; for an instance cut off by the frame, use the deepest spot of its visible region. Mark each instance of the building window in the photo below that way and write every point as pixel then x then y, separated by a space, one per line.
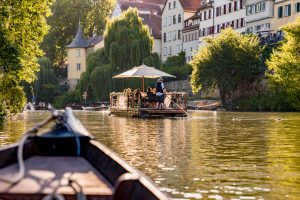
pixel 78 66
pixel 280 12
pixel 169 50
pixel 165 22
pixel 235 6
pixel 241 4
pixel 209 14
pixel 174 4
pixel 165 37
pixel 229 8
pixel 287 10
pixel 258 7
pixel 77 53
pixel 263 6
pixel 224 9
pixel 204 15
pixel 297 7
pixel 242 22
pixel 179 18
pixel 174 19
pixel 179 34
pixel 174 35
pixel 170 6
pixel 165 51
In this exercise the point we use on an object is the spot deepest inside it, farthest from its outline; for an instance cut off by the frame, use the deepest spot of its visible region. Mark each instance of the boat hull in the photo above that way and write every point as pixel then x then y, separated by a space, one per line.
pixel 49 160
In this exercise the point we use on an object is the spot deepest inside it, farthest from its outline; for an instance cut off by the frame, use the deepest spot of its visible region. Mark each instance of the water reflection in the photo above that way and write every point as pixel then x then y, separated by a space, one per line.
pixel 213 155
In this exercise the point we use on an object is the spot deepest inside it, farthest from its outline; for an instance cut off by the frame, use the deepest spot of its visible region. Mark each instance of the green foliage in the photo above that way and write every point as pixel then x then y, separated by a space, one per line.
pixel 46 85
pixel 176 66
pixel 272 101
pixel 226 61
pixel 64 23
pixel 127 41
pixel 22 28
pixel 127 44
pixel 65 99
pixel 152 61
pixel 284 65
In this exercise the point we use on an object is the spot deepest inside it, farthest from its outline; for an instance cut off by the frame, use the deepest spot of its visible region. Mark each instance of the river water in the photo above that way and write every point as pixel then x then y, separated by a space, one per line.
pixel 211 155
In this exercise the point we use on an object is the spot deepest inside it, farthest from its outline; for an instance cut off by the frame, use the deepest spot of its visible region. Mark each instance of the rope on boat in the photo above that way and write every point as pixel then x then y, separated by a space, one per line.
pixel 55 196
pixel 32 132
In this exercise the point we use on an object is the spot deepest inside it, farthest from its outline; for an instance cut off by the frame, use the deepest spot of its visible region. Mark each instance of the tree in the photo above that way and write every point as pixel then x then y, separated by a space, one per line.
pixel 64 24
pixel 176 66
pixel 47 83
pixel 22 28
pixel 127 41
pixel 284 64
pixel 226 62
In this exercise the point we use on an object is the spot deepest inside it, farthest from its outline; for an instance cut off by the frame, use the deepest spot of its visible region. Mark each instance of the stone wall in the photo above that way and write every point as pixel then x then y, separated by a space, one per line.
pixel 184 86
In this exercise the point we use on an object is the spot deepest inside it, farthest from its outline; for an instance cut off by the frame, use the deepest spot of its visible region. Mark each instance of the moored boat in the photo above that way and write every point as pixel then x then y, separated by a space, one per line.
pixel 67 163
pixel 95 108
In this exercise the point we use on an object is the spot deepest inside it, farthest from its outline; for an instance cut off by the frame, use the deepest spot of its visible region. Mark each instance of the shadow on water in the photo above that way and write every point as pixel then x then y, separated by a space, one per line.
pixel 217 155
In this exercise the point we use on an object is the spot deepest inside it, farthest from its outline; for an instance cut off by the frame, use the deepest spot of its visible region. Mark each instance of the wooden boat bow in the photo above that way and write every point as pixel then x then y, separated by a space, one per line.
pixel 69 153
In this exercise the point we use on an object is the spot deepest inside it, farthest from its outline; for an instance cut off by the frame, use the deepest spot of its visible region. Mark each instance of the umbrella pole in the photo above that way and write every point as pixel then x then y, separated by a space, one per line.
pixel 143 84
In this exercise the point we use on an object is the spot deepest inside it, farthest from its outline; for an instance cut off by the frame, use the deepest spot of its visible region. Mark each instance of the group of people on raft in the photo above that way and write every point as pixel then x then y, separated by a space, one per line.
pixel 154 98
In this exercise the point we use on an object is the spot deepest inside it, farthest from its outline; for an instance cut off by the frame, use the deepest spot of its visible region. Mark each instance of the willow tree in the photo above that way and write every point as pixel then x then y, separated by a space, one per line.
pixel 127 41
pixel 226 62
pixel 284 64
pixel 46 85
pixel 22 28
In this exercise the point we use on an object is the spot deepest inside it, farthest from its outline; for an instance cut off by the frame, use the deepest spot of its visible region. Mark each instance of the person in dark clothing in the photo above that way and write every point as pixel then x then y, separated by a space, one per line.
pixel 160 94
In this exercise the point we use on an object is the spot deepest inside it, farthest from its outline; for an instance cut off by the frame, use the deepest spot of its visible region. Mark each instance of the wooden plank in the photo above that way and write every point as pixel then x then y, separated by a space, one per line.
pixel 43 175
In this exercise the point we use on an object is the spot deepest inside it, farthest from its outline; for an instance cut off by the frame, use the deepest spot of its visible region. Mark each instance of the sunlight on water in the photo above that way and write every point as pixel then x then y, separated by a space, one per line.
pixel 211 155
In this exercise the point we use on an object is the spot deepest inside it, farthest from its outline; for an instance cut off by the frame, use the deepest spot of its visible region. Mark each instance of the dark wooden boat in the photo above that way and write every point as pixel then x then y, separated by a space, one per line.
pixel 66 163
pixel 95 108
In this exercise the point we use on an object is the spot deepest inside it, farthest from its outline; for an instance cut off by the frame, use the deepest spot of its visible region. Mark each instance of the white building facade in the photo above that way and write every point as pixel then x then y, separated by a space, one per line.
pixel 259 14
pixel 173 15
pixel 226 13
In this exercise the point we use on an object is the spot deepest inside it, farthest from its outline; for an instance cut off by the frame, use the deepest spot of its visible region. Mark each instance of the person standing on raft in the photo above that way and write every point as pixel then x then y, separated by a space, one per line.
pixel 160 97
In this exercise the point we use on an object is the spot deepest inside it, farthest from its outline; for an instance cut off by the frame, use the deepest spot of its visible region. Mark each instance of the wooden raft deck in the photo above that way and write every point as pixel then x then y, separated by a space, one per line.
pixel 148 112
pixel 44 174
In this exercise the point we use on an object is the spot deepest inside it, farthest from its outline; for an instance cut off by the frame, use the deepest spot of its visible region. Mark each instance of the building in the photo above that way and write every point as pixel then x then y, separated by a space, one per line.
pixel 78 51
pixel 285 11
pixel 150 12
pixel 173 15
pixel 225 13
pixel 195 27
pixel 259 14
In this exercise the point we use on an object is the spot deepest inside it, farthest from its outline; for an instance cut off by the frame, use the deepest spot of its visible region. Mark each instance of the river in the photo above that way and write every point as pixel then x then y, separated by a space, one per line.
pixel 211 155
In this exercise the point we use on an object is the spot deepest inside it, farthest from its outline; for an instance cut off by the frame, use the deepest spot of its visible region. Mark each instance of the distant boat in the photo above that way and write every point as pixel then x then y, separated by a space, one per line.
pixel 67 163
pixel 95 108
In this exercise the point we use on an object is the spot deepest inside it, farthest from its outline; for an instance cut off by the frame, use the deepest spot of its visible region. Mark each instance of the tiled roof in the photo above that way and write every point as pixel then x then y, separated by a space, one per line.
pixel 203 6
pixel 154 22
pixel 192 5
pixel 161 2
pixel 92 41
pixel 141 6
pixel 80 42
pixel 189 28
